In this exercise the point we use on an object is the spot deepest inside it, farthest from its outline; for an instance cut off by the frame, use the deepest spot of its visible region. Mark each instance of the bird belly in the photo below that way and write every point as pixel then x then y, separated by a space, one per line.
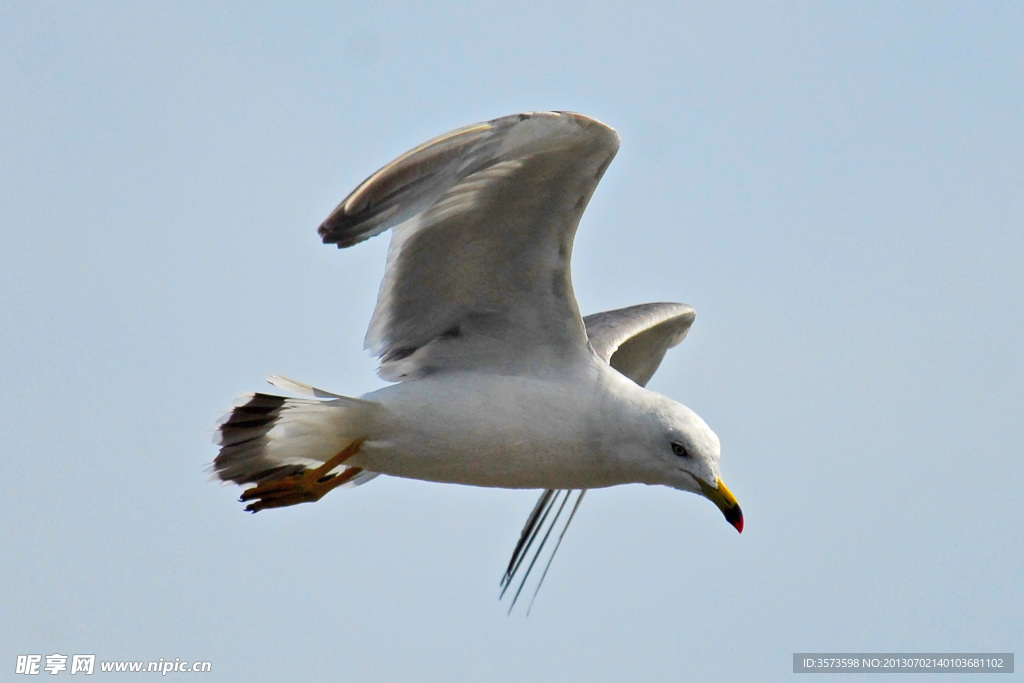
pixel 506 432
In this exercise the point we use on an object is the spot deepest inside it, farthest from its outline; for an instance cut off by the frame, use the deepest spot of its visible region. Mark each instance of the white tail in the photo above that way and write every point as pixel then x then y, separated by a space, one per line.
pixel 266 437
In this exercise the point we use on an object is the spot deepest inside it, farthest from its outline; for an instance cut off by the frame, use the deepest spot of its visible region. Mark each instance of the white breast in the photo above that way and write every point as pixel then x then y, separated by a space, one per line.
pixel 501 431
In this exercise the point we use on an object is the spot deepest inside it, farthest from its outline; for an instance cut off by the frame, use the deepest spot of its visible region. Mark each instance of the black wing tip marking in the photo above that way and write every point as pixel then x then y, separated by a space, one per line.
pixel 338 230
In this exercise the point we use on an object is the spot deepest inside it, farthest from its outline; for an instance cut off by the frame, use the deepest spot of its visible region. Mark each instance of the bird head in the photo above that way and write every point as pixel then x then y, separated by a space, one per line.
pixel 681 451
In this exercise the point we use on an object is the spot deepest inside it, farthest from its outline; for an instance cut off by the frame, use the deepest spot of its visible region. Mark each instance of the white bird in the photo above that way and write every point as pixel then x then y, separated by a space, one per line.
pixel 498 379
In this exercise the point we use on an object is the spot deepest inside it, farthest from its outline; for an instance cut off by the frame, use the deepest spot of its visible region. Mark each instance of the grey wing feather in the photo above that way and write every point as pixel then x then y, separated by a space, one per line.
pixel 411 183
pixel 634 340
pixel 484 219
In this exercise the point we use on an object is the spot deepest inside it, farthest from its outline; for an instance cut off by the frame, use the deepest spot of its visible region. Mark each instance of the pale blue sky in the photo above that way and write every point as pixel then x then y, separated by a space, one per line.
pixel 837 188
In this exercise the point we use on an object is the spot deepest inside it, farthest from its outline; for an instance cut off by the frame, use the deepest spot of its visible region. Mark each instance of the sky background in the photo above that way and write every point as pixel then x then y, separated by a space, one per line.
pixel 837 188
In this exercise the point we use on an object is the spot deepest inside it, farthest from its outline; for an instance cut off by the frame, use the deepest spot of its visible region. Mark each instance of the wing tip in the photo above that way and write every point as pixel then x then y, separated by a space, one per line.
pixel 368 210
pixel 337 230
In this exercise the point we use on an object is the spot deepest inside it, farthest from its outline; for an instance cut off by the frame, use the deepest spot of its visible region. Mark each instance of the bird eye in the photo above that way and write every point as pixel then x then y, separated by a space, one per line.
pixel 680 450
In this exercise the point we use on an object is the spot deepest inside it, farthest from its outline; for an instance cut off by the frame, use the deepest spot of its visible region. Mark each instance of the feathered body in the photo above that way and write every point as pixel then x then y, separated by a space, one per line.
pixel 500 381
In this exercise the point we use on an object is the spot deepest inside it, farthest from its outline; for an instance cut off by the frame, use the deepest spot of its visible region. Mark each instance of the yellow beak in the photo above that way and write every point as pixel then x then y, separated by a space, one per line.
pixel 726 502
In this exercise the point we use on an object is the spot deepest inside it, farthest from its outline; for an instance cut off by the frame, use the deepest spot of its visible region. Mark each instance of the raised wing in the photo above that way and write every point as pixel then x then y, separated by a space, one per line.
pixel 634 341
pixel 478 269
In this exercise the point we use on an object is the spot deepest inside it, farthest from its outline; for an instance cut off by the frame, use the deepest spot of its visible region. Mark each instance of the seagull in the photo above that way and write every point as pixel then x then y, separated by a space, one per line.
pixel 496 378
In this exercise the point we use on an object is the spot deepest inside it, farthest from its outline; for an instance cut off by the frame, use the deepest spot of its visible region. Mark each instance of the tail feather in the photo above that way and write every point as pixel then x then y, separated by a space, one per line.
pixel 300 388
pixel 266 437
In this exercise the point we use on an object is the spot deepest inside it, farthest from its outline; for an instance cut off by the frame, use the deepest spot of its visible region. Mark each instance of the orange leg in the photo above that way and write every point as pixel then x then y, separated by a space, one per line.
pixel 308 487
